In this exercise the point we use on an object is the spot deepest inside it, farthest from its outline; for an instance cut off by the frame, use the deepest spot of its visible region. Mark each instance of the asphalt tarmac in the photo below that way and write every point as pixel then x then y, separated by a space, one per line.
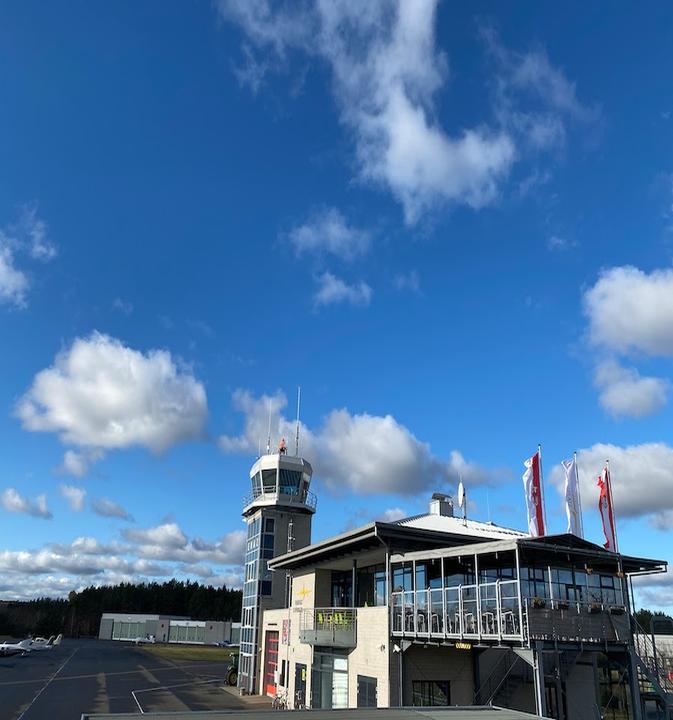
pixel 98 676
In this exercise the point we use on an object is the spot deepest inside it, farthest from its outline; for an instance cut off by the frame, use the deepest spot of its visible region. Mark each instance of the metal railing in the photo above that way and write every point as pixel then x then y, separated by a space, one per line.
pixel 575 621
pixel 333 626
pixel 658 666
pixel 487 610
pixel 310 499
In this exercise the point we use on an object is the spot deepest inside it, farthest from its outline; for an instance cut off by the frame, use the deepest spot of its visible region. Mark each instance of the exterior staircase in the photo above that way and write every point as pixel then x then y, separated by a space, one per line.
pixel 655 671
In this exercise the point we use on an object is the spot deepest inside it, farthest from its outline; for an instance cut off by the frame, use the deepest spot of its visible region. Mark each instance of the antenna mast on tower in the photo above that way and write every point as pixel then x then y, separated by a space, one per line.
pixel 296 440
pixel 268 437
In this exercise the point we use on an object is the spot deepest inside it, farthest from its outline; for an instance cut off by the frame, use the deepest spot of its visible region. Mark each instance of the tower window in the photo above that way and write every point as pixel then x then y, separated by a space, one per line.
pixel 268 525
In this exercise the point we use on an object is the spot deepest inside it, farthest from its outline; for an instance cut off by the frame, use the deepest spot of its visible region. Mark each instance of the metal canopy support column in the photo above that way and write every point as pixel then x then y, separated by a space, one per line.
pixel 538 681
pixel 478 592
pixel 635 686
pixel 518 590
pixel 354 580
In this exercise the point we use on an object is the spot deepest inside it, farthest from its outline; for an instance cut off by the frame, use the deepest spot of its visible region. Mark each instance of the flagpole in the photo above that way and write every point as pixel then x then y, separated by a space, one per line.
pixel 612 506
pixel 579 494
pixel 544 505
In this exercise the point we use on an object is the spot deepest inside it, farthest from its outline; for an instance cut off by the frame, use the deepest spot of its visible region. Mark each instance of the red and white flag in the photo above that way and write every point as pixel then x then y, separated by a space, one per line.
pixel 606 510
pixel 532 483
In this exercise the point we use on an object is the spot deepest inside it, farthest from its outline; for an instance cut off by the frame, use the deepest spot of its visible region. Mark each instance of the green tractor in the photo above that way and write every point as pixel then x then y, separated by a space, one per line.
pixel 231 677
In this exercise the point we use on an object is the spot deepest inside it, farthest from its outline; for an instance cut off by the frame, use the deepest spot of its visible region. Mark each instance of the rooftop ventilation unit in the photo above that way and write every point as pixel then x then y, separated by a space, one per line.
pixel 441 504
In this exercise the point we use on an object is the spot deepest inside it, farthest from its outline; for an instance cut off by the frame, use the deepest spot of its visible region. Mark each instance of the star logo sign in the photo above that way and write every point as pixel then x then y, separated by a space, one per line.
pixel 303 592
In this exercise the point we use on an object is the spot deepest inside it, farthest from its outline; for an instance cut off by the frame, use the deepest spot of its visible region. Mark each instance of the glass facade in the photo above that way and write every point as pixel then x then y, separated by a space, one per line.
pixel 259 550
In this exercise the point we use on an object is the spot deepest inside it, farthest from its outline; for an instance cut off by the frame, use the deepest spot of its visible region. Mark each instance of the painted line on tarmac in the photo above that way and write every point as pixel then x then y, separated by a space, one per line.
pixel 46 685
pixel 109 674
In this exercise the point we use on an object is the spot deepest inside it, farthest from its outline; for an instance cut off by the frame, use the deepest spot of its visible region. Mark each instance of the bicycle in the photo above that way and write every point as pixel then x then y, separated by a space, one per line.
pixel 279 702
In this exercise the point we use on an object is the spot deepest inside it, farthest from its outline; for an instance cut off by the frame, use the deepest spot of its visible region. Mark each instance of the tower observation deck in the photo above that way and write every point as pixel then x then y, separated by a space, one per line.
pixel 278 511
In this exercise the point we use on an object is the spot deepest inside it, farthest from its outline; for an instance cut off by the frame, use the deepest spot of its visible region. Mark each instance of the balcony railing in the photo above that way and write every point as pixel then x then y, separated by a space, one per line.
pixel 575 621
pixel 488 610
pixel 310 500
pixel 332 627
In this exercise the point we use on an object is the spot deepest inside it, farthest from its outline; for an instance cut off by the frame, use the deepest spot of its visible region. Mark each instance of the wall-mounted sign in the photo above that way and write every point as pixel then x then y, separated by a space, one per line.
pixel 463 646
pixel 285 637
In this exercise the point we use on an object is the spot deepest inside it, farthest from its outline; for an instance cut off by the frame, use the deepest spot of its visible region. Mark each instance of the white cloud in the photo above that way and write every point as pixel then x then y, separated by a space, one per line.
pixel 623 392
pixel 78 464
pixel 101 395
pixel 27 236
pixel 169 542
pixel 167 535
pixel 655 591
pixel 528 80
pixel 12 501
pixel 333 290
pixel 392 515
pixel 629 309
pixel 386 71
pixel 74 495
pixel 361 453
pixel 31 231
pixel 13 282
pixel 326 231
pixel 56 569
pixel 108 508
pixel 642 480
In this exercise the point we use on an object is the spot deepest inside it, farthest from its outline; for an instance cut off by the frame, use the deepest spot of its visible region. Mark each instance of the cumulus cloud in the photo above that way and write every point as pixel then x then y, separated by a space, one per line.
pixel 101 395
pixel 56 569
pixel 386 71
pixel 12 501
pixel 642 480
pixel 362 453
pixel 110 509
pixel 623 392
pixel 655 590
pixel 74 495
pixel 168 542
pixel 327 232
pixel 629 309
pixel 333 290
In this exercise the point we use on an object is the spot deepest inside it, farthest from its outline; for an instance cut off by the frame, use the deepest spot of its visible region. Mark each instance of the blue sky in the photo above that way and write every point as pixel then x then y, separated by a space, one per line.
pixel 451 226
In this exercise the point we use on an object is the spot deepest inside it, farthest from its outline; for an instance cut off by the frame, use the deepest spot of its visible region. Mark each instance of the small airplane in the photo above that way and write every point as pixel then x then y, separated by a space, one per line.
pixel 8 649
pixel 147 640
pixel 40 643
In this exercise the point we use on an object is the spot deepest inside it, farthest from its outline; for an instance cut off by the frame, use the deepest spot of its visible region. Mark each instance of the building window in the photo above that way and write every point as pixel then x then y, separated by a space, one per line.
pixel 428 693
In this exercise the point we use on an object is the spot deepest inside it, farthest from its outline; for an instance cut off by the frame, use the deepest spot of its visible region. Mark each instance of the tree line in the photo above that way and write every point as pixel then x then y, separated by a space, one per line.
pixel 79 615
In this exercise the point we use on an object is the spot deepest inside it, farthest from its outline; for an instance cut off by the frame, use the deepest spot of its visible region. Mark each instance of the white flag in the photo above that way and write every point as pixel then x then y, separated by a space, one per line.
pixel 572 496
pixel 461 494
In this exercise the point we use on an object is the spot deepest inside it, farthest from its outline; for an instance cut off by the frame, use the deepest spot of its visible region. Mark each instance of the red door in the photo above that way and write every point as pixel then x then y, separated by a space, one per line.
pixel 270 662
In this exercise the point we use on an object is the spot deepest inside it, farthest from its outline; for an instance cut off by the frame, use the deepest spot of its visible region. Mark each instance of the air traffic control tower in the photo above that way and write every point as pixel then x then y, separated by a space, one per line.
pixel 278 513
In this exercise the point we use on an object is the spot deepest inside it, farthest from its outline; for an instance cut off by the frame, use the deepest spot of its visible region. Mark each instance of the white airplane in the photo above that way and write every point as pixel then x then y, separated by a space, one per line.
pixel 147 640
pixel 39 643
pixel 20 648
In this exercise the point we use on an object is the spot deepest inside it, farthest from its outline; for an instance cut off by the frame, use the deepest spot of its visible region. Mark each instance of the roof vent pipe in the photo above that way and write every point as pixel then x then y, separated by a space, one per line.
pixel 441 504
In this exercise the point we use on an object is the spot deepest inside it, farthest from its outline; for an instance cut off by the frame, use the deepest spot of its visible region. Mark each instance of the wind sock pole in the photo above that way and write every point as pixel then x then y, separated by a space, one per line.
pixel 544 506
pixel 579 495
pixel 612 506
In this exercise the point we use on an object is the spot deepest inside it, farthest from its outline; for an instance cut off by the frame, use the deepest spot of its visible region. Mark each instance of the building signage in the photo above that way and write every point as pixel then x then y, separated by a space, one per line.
pixel 463 646
pixel 285 636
